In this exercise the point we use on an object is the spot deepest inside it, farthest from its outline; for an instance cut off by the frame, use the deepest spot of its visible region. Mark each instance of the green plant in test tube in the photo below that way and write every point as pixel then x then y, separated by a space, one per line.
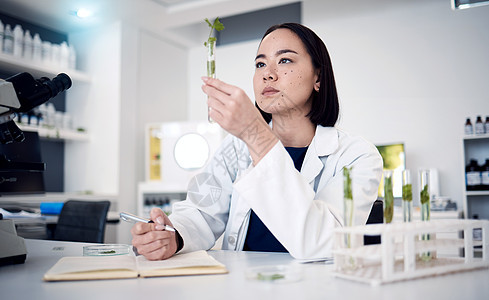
pixel 424 196
pixel 347 201
pixel 388 197
pixel 210 44
pixel 407 196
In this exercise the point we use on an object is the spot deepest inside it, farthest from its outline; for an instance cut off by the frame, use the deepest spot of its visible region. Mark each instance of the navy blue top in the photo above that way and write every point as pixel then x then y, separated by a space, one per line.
pixel 259 238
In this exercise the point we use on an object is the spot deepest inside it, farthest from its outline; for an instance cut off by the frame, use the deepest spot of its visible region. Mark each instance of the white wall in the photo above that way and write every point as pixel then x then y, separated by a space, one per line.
pixel 94 165
pixel 409 71
pixel 406 71
pixel 153 89
pixel 128 149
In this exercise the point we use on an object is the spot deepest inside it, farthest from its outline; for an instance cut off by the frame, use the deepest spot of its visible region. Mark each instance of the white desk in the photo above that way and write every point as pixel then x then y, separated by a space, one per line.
pixel 24 281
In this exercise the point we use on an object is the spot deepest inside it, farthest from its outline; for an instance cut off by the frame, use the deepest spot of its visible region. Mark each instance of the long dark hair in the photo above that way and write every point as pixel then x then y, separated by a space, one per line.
pixel 325 104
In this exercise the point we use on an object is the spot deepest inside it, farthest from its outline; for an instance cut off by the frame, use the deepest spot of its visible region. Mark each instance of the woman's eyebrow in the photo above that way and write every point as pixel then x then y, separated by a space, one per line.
pixel 279 52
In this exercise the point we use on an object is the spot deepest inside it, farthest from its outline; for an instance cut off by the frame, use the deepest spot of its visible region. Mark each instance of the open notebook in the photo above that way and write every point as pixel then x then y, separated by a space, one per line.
pixel 115 267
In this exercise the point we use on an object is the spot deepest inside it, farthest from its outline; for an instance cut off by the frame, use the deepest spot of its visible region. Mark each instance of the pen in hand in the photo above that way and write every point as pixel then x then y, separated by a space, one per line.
pixel 133 219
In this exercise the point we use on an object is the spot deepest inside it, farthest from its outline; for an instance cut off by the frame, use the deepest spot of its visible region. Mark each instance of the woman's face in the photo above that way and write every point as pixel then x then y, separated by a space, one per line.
pixel 284 75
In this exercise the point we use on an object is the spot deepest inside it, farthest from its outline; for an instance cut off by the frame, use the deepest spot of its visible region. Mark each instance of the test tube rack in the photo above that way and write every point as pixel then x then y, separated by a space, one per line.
pixel 399 255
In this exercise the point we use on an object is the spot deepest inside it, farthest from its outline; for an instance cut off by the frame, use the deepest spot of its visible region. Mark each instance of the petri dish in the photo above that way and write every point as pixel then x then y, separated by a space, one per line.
pixel 274 274
pixel 107 250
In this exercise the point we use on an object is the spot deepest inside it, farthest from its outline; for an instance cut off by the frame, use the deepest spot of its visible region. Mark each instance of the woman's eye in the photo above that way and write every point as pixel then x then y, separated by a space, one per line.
pixel 284 61
pixel 259 65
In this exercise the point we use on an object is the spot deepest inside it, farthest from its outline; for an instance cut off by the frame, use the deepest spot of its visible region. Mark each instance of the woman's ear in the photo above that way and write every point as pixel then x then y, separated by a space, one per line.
pixel 317 84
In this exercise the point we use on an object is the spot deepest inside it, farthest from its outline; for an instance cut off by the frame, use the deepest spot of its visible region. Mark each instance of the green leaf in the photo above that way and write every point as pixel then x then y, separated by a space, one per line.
pixel 425 195
pixel 208 23
pixel 218 25
pixel 347 192
pixel 407 192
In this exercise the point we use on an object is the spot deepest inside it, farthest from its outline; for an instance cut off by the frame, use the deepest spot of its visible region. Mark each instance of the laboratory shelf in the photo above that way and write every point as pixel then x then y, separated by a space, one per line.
pixel 56 133
pixel 39 69
pixel 477 193
pixel 476 136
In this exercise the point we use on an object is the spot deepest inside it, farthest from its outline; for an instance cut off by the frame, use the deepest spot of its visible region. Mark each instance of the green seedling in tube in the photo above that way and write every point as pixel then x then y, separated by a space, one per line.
pixel 348 201
pixel 388 199
pixel 407 192
pixel 210 44
pixel 407 202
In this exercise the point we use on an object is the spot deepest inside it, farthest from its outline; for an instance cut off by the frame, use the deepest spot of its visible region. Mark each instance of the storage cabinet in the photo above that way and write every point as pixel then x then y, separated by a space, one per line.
pixel 476 203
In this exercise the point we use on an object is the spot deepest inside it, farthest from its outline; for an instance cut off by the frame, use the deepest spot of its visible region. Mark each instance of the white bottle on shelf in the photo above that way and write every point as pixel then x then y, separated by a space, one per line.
pixel 2 28
pixel 64 55
pixel 72 58
pixel 55 54
pixel 18 40
pixel 469 129
pixel 27 45
pixel 46 52
pixel 36 48
pixel 479 126
pixel 50 115
pixel 8 40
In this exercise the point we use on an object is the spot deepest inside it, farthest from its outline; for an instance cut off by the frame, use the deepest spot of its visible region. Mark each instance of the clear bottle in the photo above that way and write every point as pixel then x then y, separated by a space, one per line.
pixel 479 126
pixel 46 49
pixel 18 41
pixel 485 175
pixel 473 176
pixel 8 40
pixel 469 129
pixel 64 55
pixel 27 45
pixel 37 48
pixel 72 57
pixel 486 124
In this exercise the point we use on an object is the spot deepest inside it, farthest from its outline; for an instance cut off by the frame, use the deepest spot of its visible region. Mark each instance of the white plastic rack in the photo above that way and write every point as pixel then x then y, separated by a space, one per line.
pixel 399 256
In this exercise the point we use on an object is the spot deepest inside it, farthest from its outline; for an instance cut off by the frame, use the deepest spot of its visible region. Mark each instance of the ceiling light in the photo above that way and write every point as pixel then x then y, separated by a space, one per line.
pixel 83 13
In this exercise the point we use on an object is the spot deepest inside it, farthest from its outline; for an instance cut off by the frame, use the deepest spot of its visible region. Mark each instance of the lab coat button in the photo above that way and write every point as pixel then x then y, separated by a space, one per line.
pixel 232 240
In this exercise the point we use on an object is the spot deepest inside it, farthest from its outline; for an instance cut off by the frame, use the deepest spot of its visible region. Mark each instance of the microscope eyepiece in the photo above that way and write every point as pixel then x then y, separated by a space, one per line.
pixel 32 92
pixel 59 83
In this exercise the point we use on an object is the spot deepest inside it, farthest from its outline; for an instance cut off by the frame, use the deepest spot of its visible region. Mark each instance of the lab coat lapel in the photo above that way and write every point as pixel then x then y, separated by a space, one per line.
pixel 324 143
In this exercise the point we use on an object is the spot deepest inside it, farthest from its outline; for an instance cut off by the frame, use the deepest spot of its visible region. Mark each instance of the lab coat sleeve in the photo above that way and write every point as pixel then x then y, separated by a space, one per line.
pixel 301 220
pixel 201 218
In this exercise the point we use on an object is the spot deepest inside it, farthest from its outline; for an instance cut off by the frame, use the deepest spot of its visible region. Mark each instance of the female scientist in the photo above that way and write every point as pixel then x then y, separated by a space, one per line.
pixel 276 182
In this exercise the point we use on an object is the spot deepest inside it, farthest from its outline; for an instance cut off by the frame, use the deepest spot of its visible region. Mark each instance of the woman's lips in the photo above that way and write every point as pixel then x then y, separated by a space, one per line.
pixel 268 91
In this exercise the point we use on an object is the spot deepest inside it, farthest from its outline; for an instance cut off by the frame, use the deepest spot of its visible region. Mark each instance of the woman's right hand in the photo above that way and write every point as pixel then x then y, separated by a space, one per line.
pixel 151 240
pixel 231 108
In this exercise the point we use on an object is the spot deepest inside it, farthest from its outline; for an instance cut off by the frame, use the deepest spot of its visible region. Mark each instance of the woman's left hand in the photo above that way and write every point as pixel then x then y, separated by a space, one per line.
pixel 231 108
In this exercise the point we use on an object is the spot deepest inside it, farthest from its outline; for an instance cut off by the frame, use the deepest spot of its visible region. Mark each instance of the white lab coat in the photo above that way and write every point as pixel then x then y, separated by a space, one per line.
pixel 300 209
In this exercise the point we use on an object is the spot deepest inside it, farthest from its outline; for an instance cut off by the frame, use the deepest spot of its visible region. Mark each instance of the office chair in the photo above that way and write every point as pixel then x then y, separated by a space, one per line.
pixel 82 221
pixel 376 216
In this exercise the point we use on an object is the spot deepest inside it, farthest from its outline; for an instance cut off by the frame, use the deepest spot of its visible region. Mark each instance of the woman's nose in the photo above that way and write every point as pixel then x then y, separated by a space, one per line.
pixel 270 74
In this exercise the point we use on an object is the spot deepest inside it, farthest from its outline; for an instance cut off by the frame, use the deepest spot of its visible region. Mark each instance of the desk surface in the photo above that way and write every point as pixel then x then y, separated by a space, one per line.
pixel 25 281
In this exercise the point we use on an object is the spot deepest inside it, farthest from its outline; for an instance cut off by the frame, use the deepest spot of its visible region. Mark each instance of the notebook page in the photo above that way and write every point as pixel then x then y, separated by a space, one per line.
pixel 76 264
pixel 186 260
